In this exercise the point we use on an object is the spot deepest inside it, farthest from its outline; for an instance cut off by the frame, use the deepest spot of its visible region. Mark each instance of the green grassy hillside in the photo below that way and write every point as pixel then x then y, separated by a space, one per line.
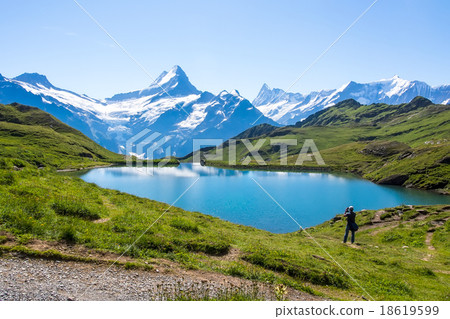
pixel 406 144
pixel 403 252
pixel 393 260
pixel 30 136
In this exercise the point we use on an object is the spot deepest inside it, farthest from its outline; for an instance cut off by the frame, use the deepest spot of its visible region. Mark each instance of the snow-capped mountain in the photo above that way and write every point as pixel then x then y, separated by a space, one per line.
pixel 171 106
pixel 288 108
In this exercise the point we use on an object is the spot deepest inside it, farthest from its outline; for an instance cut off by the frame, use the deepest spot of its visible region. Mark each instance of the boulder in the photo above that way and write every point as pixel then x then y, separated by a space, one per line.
pixel 396 179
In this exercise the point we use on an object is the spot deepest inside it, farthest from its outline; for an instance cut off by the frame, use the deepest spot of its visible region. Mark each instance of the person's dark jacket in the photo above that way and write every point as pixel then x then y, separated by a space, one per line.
pixel 350 217
pixel 351 223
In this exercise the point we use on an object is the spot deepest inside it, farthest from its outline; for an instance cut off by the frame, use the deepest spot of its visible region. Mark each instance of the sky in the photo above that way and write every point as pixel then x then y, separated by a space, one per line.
pixel 225 45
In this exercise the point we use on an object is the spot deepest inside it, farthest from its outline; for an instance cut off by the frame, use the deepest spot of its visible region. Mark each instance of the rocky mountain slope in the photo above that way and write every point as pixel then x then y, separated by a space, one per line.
pixel 287 108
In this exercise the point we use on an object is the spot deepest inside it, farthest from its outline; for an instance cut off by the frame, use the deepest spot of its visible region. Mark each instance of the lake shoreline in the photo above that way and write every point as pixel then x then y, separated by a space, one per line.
pixel 313 169
pixel 294 190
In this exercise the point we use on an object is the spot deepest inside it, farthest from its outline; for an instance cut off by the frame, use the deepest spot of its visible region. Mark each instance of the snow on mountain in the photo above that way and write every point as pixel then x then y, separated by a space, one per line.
pixel 288 108
pixel 175 81
pixel 179 111
pixel 171 106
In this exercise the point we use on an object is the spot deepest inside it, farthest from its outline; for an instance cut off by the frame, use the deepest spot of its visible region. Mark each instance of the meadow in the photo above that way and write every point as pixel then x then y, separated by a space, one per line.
pixel 402 253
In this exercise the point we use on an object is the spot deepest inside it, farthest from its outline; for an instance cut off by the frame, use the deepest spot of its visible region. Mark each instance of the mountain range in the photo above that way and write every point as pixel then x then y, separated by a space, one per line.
pixel 171 106
pixel 175 108
pixel 288 108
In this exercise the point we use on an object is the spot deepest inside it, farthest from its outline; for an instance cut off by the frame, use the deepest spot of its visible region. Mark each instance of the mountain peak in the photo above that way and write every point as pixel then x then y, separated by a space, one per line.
pixel 177 68
pixel 420 101
pixel 395 78
pixel 34 79
pixel 176 79
pixel 172 83
pixel 235 92
pixel 176 72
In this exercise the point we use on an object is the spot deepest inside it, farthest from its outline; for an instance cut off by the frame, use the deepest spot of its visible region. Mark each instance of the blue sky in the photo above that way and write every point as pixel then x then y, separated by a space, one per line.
pixel 225 44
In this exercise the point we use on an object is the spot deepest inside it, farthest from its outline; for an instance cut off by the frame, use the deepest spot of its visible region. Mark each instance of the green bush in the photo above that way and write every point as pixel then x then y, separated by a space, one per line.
pixel 75 208
pixel 69 234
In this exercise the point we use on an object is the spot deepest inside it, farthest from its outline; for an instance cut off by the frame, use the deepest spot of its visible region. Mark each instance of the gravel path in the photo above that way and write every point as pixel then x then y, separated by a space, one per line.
pixel 35 279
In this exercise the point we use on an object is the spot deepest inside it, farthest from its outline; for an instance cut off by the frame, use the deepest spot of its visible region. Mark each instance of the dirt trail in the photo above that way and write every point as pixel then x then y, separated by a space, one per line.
pixel 428 239
pixel 381 225
pixel 22 278
pixel 37 279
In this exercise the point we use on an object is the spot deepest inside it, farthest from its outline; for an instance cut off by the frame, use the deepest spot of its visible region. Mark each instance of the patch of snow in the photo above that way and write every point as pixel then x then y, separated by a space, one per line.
pixel 196 117
pixel 169 76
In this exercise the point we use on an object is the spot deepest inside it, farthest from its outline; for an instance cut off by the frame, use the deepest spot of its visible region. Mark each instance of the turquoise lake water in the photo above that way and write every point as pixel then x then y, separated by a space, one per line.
pixel 233 195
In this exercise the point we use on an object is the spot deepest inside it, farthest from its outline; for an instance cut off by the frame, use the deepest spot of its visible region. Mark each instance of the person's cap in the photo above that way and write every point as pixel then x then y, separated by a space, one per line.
pixel 350 207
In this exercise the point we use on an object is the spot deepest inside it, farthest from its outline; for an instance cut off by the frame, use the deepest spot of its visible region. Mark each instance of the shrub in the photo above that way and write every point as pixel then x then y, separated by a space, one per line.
pixel 69 234
pixel 74 208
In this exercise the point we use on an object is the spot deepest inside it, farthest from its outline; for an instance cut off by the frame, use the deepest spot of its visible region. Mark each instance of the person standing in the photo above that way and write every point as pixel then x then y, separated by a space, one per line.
pixel 351 224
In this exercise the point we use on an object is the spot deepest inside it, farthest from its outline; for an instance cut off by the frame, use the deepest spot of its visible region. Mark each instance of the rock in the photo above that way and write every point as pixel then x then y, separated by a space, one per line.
pixel 318 257
pixel 405 155
pixel 445 160
pixel 336 218
pixel 386 148
pixel 405 247
pixel 396 179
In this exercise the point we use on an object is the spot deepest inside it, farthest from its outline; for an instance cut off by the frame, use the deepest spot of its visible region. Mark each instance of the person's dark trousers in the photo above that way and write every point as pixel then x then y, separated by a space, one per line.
pixel 347 229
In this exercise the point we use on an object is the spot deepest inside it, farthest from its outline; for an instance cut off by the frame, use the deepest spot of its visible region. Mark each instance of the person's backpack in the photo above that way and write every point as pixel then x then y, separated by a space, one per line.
pixel 355 226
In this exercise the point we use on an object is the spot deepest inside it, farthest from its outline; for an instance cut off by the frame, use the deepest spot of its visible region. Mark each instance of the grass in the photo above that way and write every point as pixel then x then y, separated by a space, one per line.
pixel 197 241
pixel 32 137
pixel 403 144
pixel 177 292
pixel 391 263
